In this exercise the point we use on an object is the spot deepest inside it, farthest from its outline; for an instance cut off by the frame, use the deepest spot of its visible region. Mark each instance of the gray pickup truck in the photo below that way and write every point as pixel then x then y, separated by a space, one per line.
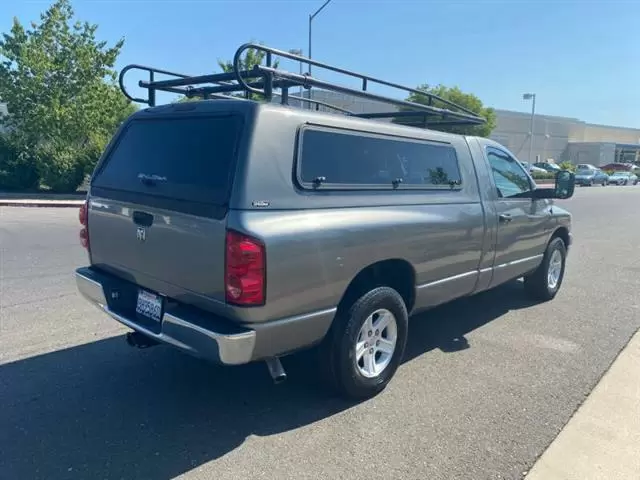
pixel 242 231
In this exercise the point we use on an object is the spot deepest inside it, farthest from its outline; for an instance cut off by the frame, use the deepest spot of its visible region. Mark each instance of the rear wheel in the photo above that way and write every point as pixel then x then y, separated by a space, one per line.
pixel 543 284
pixel 366 344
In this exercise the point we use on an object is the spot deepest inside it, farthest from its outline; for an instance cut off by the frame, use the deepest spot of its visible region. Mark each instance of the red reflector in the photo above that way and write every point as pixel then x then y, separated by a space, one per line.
pixel 84 238
pixel 244 270
pixel 82 214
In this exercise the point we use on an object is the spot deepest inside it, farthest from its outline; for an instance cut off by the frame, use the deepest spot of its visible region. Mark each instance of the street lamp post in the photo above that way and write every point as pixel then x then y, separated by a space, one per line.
pixel 299 52
pixel 311 17
pixel 532 97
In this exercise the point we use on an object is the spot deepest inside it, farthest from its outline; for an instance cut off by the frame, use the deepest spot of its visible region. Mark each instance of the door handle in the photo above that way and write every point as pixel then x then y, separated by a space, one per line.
pixel 505 218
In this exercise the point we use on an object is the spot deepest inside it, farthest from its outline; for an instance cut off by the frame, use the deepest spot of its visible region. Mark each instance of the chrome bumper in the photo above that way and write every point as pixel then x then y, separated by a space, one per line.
pixel 204 335
pixel 228 348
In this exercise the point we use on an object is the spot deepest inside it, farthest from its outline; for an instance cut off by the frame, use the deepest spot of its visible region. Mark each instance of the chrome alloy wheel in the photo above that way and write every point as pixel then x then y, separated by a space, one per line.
pixel 376 343
pixel 555 269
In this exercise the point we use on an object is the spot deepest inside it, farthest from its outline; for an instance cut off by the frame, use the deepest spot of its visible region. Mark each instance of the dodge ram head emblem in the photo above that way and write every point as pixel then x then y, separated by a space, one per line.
pixel 141 234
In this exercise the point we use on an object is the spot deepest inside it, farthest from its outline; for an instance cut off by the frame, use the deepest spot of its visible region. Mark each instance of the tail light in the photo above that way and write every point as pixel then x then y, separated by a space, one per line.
pixel 83 216
pixel 245 273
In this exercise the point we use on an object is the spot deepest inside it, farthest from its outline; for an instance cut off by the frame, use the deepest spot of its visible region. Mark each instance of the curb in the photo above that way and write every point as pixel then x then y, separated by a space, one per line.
pixel 42 203
pixel 599 442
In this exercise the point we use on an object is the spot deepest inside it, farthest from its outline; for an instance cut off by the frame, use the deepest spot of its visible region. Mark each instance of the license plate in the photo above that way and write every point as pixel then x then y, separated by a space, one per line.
pixel 149 305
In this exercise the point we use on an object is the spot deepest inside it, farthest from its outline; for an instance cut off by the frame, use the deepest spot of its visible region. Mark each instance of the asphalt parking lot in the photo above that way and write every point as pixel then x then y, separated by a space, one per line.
pixel 487 383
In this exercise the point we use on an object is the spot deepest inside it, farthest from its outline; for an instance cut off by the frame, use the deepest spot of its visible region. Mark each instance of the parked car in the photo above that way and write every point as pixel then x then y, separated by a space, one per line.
pixel 623 178
pixel 591 176
pixel 240 231
pixel 548 167
pixel 532 168
pixel 586 166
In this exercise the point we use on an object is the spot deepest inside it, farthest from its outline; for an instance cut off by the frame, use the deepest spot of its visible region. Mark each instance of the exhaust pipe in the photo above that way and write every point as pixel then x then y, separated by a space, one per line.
pixel 276 370
pixel 139 340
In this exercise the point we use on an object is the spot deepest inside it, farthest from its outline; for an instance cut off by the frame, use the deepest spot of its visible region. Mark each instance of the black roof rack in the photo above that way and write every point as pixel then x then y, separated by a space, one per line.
pixel 268 81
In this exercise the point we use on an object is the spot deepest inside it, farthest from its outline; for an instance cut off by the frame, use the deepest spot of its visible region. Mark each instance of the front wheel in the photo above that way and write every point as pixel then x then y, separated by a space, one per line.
pixel 366 344
pixel 543 284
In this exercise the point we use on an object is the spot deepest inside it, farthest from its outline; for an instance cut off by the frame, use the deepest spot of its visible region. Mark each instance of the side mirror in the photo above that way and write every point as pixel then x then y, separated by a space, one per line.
pixel 563 189
pixel 565 184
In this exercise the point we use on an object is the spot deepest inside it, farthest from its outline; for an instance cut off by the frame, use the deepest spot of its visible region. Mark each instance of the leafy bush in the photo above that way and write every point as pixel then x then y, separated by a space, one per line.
pixel 543 175
pixel 568 166
pixel 18 169
pixel 58 81
pixel 61 167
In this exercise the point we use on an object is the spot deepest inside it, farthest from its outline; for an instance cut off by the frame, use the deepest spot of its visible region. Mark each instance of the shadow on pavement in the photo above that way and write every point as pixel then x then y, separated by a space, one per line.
pixel 444 327
pixel 104 410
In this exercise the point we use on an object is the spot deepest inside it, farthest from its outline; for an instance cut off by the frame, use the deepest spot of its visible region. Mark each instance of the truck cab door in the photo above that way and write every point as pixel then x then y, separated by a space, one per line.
pixel 522 223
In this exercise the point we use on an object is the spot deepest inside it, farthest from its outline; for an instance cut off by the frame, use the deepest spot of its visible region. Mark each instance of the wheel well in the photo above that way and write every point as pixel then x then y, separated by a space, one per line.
pixel 395 273
pixel 563 233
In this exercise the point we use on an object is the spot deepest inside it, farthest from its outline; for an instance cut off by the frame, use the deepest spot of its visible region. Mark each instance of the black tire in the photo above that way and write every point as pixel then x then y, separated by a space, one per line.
pixel 536 284
pixel 337 352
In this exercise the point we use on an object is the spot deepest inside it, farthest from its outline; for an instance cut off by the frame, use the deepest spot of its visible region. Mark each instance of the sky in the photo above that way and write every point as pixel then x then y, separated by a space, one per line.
pixel 581 58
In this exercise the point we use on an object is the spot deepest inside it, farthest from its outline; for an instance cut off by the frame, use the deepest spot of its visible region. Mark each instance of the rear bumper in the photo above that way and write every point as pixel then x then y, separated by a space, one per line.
pixel 203 334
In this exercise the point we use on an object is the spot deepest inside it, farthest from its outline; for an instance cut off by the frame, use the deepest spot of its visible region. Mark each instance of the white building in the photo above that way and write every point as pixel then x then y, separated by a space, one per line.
pixel 566 139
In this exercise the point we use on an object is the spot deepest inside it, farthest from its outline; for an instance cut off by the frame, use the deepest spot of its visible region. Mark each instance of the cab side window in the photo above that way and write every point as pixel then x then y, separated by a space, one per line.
pixel 510 178
pixel 362 160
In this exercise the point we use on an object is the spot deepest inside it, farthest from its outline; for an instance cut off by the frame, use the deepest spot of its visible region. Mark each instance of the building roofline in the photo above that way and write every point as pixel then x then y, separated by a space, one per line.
pixel 572 119
pixel 617 144
pixel 631 145
pixel 617 127
pixel 538 115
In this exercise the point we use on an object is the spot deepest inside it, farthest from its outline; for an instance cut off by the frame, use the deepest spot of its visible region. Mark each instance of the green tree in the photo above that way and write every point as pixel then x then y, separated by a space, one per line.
pixel 59 85
pixel 567 166
pixel 457 96
pixel 252 57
